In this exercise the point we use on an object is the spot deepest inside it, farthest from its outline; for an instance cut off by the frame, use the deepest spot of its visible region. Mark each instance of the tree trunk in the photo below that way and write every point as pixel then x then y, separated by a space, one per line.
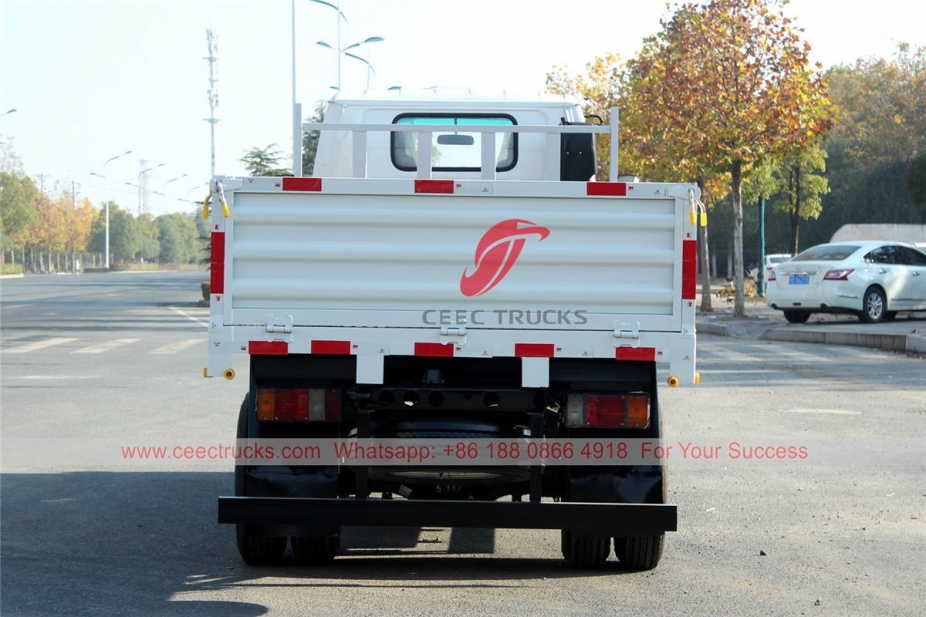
pixel 736 188
pixel 704 260
pixel 796 210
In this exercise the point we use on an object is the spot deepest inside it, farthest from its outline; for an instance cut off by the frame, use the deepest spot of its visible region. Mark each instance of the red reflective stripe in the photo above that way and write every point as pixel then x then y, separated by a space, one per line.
pixel 689 269
pixel 533 350
pixel 613 189
pixel 434 186
pixel 268 348
pixel 645 354
pixel 334 348
pixel 302 184
pixel 217 269
pixel 434 349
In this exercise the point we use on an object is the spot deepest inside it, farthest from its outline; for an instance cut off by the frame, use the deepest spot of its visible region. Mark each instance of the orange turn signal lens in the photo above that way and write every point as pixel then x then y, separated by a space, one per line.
pixel 265 404
pixel 637 411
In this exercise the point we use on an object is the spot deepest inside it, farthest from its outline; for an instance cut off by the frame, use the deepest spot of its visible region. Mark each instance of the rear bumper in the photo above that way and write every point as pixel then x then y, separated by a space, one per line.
pixel 276 515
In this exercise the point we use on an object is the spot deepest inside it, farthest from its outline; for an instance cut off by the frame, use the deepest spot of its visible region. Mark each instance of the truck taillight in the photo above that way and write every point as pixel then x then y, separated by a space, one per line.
pixel 608 410
pixel 298 404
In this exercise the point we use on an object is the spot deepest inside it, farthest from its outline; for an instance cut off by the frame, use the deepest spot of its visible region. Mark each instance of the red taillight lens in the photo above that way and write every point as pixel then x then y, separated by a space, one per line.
pixel 291 405
pixel 604 410
pixel 838 275
pixel 771 275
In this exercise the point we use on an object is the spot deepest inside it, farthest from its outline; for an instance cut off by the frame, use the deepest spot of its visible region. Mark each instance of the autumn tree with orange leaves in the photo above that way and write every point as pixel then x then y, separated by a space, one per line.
pixel 728 84
pixel 644 152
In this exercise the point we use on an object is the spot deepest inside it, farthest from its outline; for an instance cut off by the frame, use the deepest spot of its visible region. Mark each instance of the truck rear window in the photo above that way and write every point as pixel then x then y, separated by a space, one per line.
pixel 453 148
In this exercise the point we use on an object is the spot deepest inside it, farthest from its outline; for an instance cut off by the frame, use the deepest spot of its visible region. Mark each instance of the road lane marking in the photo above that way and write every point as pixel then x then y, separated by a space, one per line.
pixel 49 342
pixel 190 317
pixel 841 412
pixel 177 346
pixel 107 345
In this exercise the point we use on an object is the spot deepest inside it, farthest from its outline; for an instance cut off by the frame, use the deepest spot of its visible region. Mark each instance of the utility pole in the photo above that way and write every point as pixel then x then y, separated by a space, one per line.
pixel 213 46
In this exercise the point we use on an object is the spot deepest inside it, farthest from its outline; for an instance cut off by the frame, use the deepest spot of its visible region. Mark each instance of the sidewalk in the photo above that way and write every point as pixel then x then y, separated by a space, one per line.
pixel 907 333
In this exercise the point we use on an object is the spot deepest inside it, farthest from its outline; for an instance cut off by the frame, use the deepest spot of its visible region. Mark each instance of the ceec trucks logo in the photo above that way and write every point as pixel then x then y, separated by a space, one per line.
pixel 496 253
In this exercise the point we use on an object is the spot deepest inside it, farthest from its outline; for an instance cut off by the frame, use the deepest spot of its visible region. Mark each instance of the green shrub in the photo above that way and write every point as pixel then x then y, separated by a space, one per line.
pixel 6 269
pixel 206 285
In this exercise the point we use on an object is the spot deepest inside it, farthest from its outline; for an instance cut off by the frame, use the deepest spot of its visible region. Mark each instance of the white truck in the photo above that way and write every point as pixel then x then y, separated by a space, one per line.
pixel 454 273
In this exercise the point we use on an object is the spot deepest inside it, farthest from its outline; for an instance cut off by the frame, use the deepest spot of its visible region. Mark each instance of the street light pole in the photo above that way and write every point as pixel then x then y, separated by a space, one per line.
pixel 343 50
pixel 106 177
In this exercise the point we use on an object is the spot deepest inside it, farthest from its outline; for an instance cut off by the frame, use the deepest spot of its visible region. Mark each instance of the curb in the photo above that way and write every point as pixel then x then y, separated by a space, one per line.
pixel 890 342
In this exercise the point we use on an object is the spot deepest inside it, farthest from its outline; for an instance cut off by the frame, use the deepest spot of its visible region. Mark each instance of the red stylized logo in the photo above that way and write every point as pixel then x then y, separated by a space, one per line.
pixel 496 253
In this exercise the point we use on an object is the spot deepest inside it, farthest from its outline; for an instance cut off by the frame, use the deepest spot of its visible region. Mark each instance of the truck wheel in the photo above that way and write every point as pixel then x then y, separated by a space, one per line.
pixel 587 552
pixel 639 553
pixel 315 551
pixel 255 550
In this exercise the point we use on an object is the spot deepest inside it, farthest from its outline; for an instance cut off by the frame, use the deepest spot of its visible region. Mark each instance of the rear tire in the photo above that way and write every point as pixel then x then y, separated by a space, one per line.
pixel 797 316
pixel 584 552
pixel 254 549
pixel 639 553
pixel 874 306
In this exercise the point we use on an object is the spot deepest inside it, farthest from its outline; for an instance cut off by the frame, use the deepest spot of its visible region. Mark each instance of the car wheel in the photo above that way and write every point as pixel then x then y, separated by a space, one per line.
pixel 255 550
pixel 797 316
pixel 585 552
pixel 874 306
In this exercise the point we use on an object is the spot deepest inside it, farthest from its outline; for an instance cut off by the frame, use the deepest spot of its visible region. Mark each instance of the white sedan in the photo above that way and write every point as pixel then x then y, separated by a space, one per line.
pixel 873 280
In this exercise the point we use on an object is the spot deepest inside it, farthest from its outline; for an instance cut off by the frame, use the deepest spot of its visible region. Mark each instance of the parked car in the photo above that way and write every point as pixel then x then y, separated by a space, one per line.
pixel 874 280
pixel 770 262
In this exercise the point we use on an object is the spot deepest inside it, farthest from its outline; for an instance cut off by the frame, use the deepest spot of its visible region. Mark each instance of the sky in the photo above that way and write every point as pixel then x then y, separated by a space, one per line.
pixel 92 79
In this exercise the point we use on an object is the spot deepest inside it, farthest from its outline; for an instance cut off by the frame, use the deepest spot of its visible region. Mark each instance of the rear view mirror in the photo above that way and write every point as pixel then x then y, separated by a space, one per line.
pixel 455 140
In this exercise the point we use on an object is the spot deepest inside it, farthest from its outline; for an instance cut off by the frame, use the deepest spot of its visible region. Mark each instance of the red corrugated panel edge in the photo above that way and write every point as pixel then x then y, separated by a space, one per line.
pixel 217 269
pixel 612 189
pixel 334 348
pixel 434 349
pixel 434 186
pixel 302 184
pixel 689 269
pixel 268 348
pixel 533 350
pixel 644 354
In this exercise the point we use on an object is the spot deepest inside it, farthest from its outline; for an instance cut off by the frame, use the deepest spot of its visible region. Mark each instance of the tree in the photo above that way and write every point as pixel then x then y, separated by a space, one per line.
pixel 732 83
pixel 149 249
pixel 264 162
pixel 644 151
pixel 873 148
pixel 17 209
pixel 794 188
pixel 310 140
pixel 178 238
pixel 124 241
pixel 915 180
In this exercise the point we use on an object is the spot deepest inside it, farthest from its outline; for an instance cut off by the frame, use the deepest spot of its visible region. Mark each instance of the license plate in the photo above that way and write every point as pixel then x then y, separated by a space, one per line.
pixel 798 280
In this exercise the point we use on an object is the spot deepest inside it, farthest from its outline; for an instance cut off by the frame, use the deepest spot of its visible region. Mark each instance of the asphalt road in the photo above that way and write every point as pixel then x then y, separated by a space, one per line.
pixel 120 356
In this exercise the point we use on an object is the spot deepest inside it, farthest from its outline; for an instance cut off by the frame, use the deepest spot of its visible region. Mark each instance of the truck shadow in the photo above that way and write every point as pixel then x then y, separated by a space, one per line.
pixel 117 543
